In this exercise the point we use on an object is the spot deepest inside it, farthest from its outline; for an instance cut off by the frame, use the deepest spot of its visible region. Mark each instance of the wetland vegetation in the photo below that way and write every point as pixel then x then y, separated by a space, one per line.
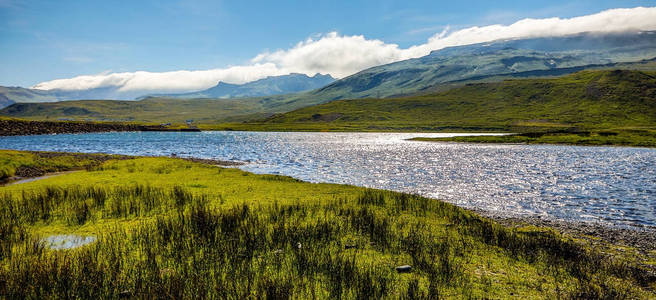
pixel 622 137
pixel 175 228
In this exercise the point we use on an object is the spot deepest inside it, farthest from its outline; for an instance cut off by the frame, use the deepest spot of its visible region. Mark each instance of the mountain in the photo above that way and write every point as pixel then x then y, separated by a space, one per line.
pixel 550 56
pixel 10 95
pixel 272 85
pixel 587 99
pixel 439 71
pixel 596 99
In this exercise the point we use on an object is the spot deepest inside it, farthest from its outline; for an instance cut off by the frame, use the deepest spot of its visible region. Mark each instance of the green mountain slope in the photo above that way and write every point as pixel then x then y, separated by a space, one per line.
pixel 595 99
pixel 536 57
pixel 155 110
pixel 588 99
pixel 149 110
pixel 550 56
pixel 441 70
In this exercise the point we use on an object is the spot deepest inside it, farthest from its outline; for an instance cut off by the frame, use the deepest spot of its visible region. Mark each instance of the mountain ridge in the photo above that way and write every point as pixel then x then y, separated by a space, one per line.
pixel 461 63
pixel 441 70
pixel 269 86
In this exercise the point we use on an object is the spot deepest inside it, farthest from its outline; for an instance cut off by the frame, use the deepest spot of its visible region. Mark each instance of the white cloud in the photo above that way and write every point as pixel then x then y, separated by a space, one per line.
pixel 334 54
pixel 165 81
pixel 341 55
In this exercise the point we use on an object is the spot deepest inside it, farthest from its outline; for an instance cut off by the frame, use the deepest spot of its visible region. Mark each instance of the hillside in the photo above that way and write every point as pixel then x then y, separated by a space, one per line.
pixel 272 85
pixel 213 111
pixel 521 58
pixel 440 70
pixel 156 110
pixel 588 99
pixel 11 95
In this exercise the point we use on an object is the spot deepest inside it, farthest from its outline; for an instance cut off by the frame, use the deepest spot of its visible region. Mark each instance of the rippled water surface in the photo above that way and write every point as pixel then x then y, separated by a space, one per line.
pixel 615 185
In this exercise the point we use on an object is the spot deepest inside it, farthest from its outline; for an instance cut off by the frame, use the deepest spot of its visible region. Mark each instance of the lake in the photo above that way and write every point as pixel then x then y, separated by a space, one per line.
pixel 612 185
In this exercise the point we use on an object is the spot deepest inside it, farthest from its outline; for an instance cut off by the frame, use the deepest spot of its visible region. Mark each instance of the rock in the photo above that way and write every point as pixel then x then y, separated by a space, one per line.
pixel 404 269
pixel 125 294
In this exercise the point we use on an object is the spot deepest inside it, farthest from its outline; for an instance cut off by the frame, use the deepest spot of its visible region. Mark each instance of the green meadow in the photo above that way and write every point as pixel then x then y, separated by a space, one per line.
pixel 171 228
pixel 587 100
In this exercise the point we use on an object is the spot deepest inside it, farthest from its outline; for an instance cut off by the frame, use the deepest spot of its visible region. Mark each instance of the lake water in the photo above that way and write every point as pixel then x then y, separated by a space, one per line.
pixel 613 185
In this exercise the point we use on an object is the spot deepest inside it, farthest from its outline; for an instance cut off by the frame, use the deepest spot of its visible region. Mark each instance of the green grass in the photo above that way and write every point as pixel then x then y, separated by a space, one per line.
pixel 150 111
pixel 632 137
pixel 29 164
pixel 601 99
pixel 588 100
pixel 227 233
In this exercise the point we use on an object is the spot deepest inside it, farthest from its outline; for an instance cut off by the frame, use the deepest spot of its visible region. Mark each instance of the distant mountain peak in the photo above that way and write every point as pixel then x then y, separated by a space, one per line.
pixel 268 86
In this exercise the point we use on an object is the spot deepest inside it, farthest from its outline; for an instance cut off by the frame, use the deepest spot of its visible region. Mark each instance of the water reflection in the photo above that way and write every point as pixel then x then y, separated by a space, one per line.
pixel 610 184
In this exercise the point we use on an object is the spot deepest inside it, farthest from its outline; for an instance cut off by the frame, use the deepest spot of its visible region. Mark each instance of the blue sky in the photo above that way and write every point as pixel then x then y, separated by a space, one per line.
pixel 45 40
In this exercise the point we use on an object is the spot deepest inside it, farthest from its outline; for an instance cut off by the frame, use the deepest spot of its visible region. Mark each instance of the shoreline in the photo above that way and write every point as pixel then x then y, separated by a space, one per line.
pixel 644 138
pixel 202 205
pixel 28 173
pixel 12 127
pixel 641 238
pixel 638 241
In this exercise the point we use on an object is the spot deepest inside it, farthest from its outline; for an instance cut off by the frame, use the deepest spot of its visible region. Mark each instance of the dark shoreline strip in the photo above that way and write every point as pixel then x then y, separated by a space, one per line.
pixel 641 238
pixel 26 127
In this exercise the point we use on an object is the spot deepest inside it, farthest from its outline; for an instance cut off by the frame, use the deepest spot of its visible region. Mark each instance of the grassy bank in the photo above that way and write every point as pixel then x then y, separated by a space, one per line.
pixel 623 137
pixel 224 232
pixel 23 164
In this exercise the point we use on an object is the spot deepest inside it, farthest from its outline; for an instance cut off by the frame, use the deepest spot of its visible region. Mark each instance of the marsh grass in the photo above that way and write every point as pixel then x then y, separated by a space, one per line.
pixel 31 164
pixel 190 247
pixel 619 137
pixel 225 233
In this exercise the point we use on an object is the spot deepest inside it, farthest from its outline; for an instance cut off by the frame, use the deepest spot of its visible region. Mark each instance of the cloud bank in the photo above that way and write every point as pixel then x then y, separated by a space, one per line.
pixel 340 55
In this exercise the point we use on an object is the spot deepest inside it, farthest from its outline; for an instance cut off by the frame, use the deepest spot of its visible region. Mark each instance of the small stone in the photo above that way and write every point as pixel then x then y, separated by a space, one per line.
pixel 125 294
pixel 404 269
pixel 299 246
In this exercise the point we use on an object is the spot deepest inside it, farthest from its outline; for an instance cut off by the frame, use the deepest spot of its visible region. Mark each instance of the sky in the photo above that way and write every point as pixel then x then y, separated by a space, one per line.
pixel 190 45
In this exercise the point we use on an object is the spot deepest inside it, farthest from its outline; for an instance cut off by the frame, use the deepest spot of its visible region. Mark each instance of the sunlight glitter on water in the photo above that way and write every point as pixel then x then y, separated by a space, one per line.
pixel 616 185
